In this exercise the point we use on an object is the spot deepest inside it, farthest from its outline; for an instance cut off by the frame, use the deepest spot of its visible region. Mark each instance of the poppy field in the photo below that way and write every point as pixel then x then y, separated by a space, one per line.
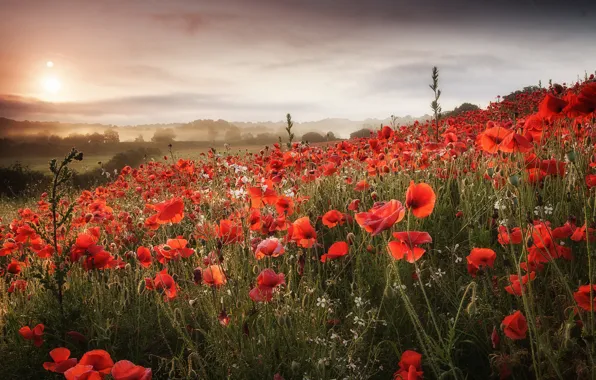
pixel 459 248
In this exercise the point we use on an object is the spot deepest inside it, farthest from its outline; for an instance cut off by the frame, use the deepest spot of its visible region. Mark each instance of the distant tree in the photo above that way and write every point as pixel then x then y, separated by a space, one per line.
pixel 330 136
pixel 140 139
pixel 165 135
pixel 464 107
pixel 364 132
pixel 233 134
pixel 313 137
pixel 111 136
pixel 525 90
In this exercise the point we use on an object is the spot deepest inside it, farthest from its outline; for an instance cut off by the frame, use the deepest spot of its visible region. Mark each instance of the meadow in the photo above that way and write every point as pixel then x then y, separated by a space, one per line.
pixel 458 248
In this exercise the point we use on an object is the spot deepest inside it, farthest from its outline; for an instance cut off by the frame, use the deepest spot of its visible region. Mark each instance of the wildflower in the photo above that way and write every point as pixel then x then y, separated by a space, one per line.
pixel 337 250
pixel 61 362
pixel 420 198
pixel 515 326
pixel 125 370
pixel 382 216
pixel 35 335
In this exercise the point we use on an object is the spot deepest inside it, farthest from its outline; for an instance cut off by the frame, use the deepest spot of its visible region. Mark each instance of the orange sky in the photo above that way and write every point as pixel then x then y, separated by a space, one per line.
pixel 143 61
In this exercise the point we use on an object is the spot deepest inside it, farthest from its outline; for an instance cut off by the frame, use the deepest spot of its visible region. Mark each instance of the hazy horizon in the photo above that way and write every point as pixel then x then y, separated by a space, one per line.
pixel 148 62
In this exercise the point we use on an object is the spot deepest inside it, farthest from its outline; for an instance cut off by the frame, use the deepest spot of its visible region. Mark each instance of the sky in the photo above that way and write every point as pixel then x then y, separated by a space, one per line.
pixel 158 61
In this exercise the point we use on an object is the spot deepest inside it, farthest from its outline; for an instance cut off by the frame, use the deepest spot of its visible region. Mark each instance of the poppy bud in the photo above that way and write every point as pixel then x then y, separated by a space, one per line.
pixel 374 196
pixel 350 238
pixel 571 156
pixel 514 180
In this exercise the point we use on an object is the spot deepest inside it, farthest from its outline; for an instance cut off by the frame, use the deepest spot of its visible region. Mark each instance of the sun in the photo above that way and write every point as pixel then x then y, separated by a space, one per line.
pixel 51 85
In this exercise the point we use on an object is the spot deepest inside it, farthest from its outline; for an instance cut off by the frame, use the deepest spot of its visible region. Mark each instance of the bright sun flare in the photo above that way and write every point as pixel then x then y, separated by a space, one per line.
pixel 51 85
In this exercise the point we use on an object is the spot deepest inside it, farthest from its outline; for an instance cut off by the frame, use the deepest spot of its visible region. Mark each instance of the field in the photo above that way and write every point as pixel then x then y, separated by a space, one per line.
pixel 456 249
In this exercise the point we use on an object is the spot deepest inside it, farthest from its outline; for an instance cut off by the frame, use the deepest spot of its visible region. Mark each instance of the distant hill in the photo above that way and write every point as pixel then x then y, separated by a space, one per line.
pixel 197 130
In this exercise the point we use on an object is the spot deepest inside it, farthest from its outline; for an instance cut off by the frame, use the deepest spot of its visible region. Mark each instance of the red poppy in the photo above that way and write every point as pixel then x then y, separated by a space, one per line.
pixel 229 232
pixel 170 211
pixel 260 197
pixel 125 370
pixel 362 185
pixel 61 362
pixel 333 218
pixel 517 286
pixel 100 360
pixel 583 299
pixel 163 282
pixel 490 140
pixel 551 106
pixel 35 335
pixel 17 285
pixel 214 275
pixel 83 372
pixel 515 326
pixel 269 247
pixel 382 216
pixel 336 250
pixel 420 199
pixel 302 232
pixel 514 142
pixel 410 366
pixel 480 258
pixel 513 236
pixel 284 206
pixel 144 256
pixel 267 281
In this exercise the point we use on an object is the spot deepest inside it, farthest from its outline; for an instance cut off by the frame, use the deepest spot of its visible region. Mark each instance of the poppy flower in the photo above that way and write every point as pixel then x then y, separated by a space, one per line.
pixel 515 326
pixel 302 232
pixel 420 199
pixel 333 218
pixel 516 285
pixel 591 180
pixel 163 282
pixel 83 372
pixel 229 232
pixel 336 250
pixel 353 206
pixel 551 106
pixel 260 197
pixel 284 206
pixel 267 281
pixel 170 211
pixel 126 370
pixel 514 142
pixel 214 275
pixel 382 216
pixel 35 335
pixel 144 256
pixel 61 362
pixel 514 236
pixel 362 185
pixel 490 140
pixel 269 247
pixel 582 297
pixel 410 366
pixel 480 258
pixel 17 285
pixel 100 360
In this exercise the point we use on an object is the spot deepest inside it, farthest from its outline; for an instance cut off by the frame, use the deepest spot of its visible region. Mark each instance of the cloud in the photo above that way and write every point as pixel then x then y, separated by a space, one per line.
pixel 20 108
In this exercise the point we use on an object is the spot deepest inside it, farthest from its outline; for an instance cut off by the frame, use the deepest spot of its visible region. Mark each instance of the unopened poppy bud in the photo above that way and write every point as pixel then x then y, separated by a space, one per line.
pixel 88 217
pixel 374 196
pixel 127 266
pixel 350 238
pixel 197 275
pixel 514 180
pixel 370 248
pixel 571 156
